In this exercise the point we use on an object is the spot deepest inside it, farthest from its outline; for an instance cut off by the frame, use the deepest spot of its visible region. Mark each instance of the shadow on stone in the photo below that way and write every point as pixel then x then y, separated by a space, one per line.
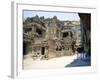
pixel 80 62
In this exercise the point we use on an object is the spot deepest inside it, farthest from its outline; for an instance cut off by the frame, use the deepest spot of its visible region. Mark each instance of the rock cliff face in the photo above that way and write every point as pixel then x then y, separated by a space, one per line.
pixel 49 37
pixel 86 32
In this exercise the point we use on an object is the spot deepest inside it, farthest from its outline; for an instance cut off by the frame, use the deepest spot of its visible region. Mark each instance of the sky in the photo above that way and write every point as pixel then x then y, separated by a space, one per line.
pixel 60 15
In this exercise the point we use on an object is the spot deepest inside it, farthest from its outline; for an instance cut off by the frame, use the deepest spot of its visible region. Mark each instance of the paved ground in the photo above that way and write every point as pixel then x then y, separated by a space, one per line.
pixel 59 62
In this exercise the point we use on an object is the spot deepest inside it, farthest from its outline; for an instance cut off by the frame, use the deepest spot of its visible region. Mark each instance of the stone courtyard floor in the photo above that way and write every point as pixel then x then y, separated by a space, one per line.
pixel 55 63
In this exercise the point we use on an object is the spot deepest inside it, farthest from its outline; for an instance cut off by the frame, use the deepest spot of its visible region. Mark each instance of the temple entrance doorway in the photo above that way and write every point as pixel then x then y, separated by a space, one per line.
pixel 43 50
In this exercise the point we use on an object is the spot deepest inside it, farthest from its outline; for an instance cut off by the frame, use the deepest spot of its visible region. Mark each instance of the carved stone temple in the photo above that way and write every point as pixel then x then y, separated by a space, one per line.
pixel 50 38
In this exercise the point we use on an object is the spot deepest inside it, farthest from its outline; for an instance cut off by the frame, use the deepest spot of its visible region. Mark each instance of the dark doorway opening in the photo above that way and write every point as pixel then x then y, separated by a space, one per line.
pixel 65 34
pixel 39 31
pixel 43 50
pixel 24 49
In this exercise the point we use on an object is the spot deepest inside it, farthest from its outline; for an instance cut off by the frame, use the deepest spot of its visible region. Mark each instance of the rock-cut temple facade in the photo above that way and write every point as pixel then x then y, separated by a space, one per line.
pixel 50 39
